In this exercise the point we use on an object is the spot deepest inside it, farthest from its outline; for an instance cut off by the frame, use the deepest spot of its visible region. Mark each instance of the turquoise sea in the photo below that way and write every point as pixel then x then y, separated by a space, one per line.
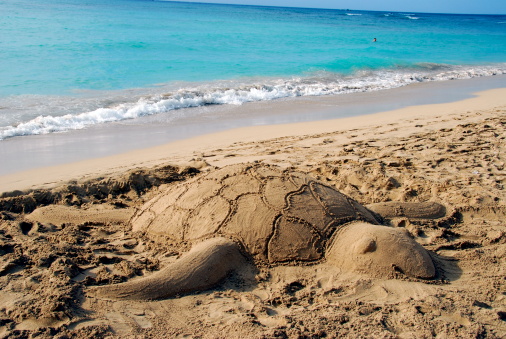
pixel 71 64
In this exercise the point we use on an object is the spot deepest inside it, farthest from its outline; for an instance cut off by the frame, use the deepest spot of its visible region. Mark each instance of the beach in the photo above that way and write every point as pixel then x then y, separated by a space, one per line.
pixel 178 169
pixel 106 148
pixel 66 228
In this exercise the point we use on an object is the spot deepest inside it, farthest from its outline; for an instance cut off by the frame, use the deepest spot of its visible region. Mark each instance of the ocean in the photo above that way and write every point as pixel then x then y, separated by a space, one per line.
pixel 72 64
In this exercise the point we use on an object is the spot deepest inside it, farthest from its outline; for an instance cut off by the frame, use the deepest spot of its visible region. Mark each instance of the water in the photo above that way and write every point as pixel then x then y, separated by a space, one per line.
pixel 72 64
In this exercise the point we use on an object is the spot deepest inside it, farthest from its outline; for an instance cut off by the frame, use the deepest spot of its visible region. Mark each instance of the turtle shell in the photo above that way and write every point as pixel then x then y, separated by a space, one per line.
pixel 277 216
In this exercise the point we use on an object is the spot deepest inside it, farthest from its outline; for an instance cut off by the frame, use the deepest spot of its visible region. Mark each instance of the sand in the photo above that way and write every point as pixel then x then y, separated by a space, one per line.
pixel 66 229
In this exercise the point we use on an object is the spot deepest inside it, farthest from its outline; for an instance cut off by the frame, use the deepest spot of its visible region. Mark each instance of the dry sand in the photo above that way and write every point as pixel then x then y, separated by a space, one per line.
pixel 65 229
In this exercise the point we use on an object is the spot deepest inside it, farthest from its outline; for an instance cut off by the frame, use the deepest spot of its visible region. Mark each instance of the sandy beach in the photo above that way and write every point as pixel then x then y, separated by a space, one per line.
pixel 66 229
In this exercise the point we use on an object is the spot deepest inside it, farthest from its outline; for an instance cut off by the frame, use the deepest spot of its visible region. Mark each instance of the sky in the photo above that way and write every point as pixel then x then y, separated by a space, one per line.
pixel 425 6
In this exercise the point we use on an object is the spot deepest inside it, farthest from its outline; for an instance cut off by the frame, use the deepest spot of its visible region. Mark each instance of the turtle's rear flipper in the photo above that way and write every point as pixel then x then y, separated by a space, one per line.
pixel 204 266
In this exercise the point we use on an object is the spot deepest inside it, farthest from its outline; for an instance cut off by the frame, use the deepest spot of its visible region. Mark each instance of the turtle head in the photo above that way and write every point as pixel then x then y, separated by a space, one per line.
pixel 379 250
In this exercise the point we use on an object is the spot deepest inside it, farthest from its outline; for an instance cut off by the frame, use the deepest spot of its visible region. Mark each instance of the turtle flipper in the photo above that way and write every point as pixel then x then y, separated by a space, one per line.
pixel 204 266
pixel 416 210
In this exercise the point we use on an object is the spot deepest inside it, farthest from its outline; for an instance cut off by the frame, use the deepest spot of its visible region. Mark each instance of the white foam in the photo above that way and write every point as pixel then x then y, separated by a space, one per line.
pixel 239 93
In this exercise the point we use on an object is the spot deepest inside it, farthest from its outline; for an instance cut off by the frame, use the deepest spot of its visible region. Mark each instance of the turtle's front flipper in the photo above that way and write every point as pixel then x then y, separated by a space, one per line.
pixel 417 210
pixel 204 266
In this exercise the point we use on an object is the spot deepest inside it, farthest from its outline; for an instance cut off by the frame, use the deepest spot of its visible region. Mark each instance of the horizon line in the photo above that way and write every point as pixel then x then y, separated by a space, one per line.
pixel 325 8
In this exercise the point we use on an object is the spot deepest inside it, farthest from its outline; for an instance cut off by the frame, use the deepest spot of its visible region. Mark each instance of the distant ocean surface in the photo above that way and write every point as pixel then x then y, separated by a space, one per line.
pixel 70 64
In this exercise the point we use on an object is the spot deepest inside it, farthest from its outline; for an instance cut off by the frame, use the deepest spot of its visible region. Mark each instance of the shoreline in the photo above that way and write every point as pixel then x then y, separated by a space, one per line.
pixel 210 147
pixel 37 151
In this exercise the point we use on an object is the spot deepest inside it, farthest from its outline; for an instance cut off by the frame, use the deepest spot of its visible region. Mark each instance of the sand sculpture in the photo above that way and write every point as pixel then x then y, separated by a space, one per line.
pixel 270 217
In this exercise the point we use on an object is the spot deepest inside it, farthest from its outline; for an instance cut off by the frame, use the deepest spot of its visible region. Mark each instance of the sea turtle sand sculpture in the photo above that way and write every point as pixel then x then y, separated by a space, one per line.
pixel 272 217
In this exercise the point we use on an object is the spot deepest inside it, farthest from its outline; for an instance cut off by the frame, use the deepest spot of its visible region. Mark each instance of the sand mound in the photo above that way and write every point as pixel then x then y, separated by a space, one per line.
pixel 116 190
